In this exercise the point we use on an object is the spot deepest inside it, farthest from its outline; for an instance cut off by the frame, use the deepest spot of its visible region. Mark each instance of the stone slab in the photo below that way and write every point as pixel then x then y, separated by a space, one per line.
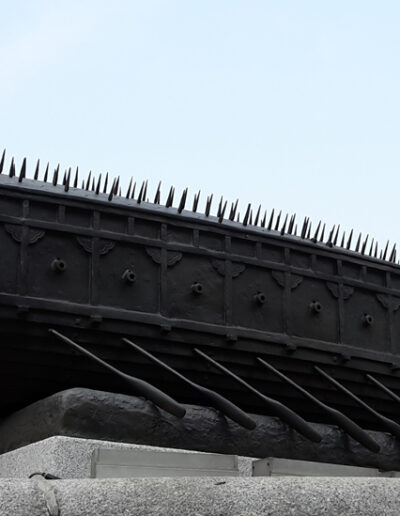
pixel 71 457
pixel 228 496
pixel 92 414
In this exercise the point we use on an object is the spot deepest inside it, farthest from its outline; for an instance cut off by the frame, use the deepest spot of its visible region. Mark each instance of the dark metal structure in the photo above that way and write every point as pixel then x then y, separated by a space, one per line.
pixel 246 314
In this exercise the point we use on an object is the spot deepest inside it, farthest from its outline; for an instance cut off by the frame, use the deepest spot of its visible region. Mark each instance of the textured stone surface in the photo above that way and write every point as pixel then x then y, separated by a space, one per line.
pixel 70 457
pixel 206 496
pixel 116 417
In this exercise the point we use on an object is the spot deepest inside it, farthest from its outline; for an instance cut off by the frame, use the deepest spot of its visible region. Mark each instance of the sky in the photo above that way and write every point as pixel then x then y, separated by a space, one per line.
pixel 294 105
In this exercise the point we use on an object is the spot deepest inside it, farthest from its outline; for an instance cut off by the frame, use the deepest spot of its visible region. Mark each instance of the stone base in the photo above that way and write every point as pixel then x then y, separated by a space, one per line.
pixel 201 496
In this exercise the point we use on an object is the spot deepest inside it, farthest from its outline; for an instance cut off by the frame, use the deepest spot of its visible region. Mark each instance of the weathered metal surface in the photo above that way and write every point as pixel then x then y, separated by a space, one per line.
pixel 116 417
pixel 98 266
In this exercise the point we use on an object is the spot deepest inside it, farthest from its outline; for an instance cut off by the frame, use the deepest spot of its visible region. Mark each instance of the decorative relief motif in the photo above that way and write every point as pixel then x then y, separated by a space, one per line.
pixel 173 257
pixel 385 301
pixel 17 233
pixel 279 277
pixel 334 290
pixel 104 246
pixel 220 267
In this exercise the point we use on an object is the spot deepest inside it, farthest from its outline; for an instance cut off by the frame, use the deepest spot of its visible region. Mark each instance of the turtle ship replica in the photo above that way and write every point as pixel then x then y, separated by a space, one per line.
pixel 244 335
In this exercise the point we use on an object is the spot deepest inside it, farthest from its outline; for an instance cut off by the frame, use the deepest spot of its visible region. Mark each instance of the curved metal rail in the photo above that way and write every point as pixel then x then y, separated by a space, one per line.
pixel 344 422
pixel 283 412
pixel 389 424
pixel 225 406
pixel 143 388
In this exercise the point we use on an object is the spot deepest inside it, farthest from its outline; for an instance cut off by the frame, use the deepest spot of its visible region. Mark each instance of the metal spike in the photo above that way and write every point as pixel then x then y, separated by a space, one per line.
pixel 238 217
pixel 305 227
pixel 76 177
pixel 291 224
pixel 271 219
pixel 64 177
pixel 371 248
pixel 98 185
pixel 133 190
pixel 83 185
pixel 111 194
pixel 12 168
pixel 392 257
pixel 284 225
pixel 251 218
pixel 46 173
pixel 105 183
pixel 349 240
pixel 220 206
pixel 321 238
pixel 376 250
pixel 157 197
pixel 93 184
pixel 329 242
pixel 295 230
pixel 208 204
pixel 358 243
pixel 145 191
pixel 22 173
pixel 385 251
pixel 117 189
pixel 335 239
pixel 343 239
pixel 380 255
pixel 36 175
pixel 309 231
pixel 257 216
pixel 128 192
pixel 67 181
pixel 364 245
pixel 315 237
pixel 264 219
pixel 3 157
pixel 233 210
pixel 278 221
pixel 55 175
pixel 196 201
pixel 170 198
pixel 222 213
pixel 140 195
pixel 247 215
pixel 88 181
pixel 182 202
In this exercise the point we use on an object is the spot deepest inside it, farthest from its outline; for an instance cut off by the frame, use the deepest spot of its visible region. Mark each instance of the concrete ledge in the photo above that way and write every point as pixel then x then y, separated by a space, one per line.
pixel 71 457
pixel 205 496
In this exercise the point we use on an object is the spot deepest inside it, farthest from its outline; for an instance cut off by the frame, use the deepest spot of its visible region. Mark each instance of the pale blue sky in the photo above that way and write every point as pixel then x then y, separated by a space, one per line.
pixel 292 104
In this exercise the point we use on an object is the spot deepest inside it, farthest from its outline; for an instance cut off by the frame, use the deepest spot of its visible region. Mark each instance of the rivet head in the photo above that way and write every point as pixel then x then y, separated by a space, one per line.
pixel 128 276
pixel 315 307
pixel 197 288
pixel 367 320
pixel 260 298
pixel 58 265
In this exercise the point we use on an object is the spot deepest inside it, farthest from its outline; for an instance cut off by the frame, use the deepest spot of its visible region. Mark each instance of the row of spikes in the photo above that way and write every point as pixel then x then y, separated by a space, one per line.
pixel 275 221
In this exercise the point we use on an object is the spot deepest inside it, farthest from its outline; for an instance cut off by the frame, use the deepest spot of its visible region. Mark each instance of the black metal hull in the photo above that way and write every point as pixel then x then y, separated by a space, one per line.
pixel 175 281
